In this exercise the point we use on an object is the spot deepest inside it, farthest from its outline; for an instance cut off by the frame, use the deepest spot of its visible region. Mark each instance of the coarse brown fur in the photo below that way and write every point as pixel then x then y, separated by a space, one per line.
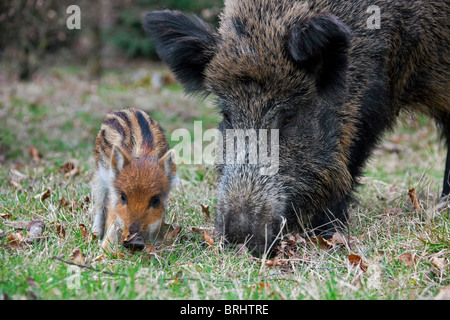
pixel 328 83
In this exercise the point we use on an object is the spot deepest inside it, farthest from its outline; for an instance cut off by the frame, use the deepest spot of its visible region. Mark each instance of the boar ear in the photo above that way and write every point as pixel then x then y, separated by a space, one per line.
pixel 320 45
pixel 185 44
pixel 167 163
pixel 119 159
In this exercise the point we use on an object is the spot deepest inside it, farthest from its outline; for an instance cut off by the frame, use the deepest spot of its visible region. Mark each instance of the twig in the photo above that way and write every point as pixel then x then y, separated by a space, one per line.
pixel 89 267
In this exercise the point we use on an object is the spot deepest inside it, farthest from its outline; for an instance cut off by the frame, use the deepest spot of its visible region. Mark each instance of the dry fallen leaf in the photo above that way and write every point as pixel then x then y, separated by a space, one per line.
pixel 321 242
pixel 150 248
pixel 209 240
pixel 273 263
pixel 78 257
pixel 61 231
pixel 70 169
pixel 83 229
pixel 356 261
pixel 170 237
pixel 72 205
pixel 414 199
pixel 339 239
pixel 43 195
pixel 440 263
pixel 5 215
pixel 408 259
pixel 86 234
pixel 15 240
pixel 205 210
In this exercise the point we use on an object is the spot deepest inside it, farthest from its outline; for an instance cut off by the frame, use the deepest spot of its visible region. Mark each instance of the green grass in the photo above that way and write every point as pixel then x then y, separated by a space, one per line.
pixel 61 115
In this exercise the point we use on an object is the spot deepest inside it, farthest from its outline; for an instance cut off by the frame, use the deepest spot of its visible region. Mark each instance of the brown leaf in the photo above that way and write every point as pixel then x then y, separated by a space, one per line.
pixel 321 242
pixel 86 234
pixel 118 254
pixel 83 229
pixel 43 195
pixel 209 240
pixel 300 240
pixel 78 257
pixel 61 231
pixel 356 261
pixel 5 215
pixel 63 202
pixel 205 210
pixel 71 205
pixel 273 263
pixel 15 240
pixel 443 294
pixel 149 248
pixel 414 199
pixel 338 239
pixel 34 154
pixel 170 237
pixel 440 263
pixel 70 169
pixel 34 231
pixel 408 259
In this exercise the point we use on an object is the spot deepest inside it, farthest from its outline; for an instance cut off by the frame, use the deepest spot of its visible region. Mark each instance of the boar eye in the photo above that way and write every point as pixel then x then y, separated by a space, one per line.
pixel 155 201
pixel 123 198
pixel 227 118
pixel 288 119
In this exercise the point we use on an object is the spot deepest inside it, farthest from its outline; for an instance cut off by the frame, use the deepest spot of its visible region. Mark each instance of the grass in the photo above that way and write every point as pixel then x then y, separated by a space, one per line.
pixel 59 113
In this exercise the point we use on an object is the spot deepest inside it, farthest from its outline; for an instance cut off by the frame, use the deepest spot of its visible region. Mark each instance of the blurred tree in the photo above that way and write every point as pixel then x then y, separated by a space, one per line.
pixel 30 28
pixel 127 35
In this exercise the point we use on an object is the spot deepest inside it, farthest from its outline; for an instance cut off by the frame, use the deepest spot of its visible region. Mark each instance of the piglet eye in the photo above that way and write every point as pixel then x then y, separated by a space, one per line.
pixel 123 198
pixel 155 201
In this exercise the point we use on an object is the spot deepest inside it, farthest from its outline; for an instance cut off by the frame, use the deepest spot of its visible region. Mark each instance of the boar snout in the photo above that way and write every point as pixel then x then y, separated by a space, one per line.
pixel 250 210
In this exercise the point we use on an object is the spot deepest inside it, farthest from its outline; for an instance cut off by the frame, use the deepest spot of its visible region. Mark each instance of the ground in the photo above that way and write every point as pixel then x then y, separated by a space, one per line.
pixel 397 245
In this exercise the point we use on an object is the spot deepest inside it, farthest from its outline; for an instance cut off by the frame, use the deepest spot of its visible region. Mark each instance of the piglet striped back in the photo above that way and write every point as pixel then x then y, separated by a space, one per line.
pixel 134 131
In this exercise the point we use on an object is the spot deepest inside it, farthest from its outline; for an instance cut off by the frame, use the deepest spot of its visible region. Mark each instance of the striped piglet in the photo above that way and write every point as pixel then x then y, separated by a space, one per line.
pixel 134 173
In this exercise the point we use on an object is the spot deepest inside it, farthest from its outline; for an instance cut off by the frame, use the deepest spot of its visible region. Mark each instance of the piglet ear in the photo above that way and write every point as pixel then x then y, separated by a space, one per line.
pixel 185 44
pixel 167 163
pixel 319 45
pixel 119 159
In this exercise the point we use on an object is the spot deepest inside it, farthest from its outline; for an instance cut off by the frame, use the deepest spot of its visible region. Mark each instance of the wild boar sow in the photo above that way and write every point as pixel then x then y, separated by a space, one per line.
pixel 331 85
